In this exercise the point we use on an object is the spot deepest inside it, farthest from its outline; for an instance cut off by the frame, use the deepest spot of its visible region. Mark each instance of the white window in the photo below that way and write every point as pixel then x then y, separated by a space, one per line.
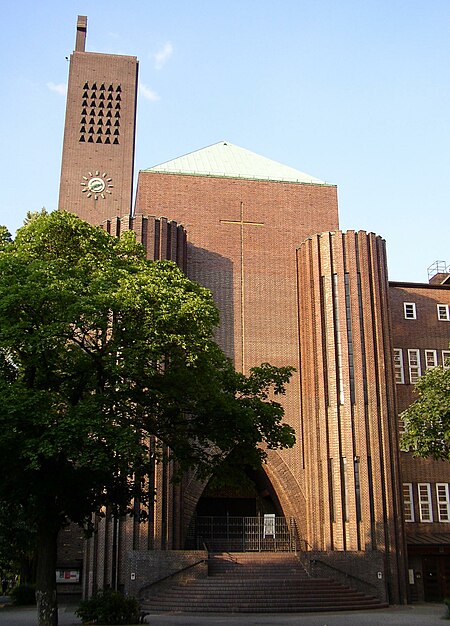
pixel 430 358
pixel 398 366
pixel 408 502
pixel 446 359
pixel 425 508
pixel 414 366
pixel 409 309
pixel 443 312
pixel 443 502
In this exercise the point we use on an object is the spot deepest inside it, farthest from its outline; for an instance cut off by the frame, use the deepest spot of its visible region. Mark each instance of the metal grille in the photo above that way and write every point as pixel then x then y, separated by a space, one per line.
pixel 243 534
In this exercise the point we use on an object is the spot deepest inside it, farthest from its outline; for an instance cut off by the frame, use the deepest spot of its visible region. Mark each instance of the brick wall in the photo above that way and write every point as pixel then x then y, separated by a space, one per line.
pixel 348 400
pixel 101 99
pixel 251 269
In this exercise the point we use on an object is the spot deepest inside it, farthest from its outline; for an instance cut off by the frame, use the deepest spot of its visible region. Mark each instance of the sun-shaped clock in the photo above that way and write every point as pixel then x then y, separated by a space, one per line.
pixel 96 185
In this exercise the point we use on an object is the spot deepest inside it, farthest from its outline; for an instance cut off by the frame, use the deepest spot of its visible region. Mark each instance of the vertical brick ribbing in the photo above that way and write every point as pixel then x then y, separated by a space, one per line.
pixel 349 410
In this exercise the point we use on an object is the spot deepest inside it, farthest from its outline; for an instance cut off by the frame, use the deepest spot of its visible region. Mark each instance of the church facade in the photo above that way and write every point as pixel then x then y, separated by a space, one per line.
pixel 292 289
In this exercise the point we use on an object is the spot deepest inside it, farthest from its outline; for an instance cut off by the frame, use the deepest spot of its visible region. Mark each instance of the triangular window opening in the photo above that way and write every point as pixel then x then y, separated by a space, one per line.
pixel 107 140
pixel 82 139
pixel 110 88
pixel 90 140
pixel 119 89
pixel 94 86
pixel 102 88
pixel 86 86
pixel 99 140
pixel 116 141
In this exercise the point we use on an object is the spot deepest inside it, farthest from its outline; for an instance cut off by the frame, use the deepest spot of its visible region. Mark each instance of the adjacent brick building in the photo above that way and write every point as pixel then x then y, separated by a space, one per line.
pixel 292 290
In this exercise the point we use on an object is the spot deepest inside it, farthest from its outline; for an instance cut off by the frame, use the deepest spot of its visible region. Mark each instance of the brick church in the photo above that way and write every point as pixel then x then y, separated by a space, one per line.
pixel 292 289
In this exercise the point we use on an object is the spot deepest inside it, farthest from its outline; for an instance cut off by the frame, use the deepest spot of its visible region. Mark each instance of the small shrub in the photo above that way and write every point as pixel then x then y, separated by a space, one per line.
pixel 109 607
pixel 23 595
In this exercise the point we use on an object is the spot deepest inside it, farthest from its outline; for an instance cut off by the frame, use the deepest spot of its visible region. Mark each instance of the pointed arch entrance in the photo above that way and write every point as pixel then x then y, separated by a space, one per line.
pixel 244 517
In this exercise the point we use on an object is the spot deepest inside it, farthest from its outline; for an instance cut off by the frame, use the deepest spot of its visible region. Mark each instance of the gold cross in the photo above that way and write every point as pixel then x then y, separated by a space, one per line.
pixel 242 223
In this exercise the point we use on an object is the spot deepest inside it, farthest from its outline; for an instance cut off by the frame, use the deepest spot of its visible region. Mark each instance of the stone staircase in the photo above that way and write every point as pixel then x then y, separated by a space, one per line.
pixel 249 582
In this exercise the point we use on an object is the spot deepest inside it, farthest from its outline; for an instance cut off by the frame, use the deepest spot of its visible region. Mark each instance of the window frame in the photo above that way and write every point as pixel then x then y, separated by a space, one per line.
pixel 435 358
pixel 408 503
pixel 414 375
pixel 443 504
pixel 406 314
pixel 445 309
pixel 399 368
pixel 425 503
pixel 445 355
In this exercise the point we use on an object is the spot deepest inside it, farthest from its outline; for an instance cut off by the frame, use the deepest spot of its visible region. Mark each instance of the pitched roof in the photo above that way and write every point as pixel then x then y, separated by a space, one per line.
pixel 227 160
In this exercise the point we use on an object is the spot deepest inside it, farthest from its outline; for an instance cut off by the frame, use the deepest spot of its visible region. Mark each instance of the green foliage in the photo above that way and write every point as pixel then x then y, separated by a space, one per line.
pixel 109 607
pixel 23 595
pixel 102 353
pixel 17 541
pixel 5 237
pixel 427 420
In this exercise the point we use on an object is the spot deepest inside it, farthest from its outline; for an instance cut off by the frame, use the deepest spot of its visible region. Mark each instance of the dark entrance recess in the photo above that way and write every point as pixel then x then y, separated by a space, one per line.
pixel 436 577
pixel 244 517
pixel 253 496
pixel 431 563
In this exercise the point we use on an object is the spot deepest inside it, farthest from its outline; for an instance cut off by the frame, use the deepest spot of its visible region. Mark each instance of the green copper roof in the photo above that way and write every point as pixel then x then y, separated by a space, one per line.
pixel 230 161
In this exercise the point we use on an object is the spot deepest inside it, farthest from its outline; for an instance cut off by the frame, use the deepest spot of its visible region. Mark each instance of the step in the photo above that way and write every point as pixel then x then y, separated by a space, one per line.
pixel 257 583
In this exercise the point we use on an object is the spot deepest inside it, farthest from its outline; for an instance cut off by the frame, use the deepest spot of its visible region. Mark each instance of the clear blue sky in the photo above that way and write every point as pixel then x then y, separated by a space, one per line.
pixel 354 92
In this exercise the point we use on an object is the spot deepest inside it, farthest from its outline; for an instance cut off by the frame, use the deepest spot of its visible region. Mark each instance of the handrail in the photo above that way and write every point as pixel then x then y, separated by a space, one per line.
pixel 171 575
pixel 344 573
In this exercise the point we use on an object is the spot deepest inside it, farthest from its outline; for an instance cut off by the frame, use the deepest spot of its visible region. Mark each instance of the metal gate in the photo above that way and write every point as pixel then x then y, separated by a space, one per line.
pixel 265 533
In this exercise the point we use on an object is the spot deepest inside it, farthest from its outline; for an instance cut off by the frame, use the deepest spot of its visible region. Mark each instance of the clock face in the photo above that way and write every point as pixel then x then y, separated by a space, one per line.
pixel 96 185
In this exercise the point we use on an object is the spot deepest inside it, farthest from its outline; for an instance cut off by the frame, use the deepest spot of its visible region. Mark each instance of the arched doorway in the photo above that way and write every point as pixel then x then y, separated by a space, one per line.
pixel 244 517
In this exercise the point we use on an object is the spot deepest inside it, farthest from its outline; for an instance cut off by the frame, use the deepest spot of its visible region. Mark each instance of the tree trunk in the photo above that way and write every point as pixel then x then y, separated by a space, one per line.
pixel 47 605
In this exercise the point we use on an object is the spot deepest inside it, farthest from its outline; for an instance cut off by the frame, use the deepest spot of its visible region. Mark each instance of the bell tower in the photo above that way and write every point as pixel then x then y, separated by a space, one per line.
pixel 99 133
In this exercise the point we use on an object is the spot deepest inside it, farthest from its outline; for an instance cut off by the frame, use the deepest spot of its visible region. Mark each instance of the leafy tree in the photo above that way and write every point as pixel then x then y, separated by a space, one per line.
pixel 427 420
pixel 101 350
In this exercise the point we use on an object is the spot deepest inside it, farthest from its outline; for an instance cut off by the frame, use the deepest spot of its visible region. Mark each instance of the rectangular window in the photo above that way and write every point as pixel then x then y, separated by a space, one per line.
pixel 443 502
pixel 445 359
pixel 409 309
pixel 414 366
pixel 408 502
pixel 398 366
pixel 425 508
pixel 430 358
pixel 443 312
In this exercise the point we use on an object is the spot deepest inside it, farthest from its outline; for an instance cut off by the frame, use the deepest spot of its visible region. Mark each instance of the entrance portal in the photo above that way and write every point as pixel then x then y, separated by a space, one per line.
pixel 240 518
